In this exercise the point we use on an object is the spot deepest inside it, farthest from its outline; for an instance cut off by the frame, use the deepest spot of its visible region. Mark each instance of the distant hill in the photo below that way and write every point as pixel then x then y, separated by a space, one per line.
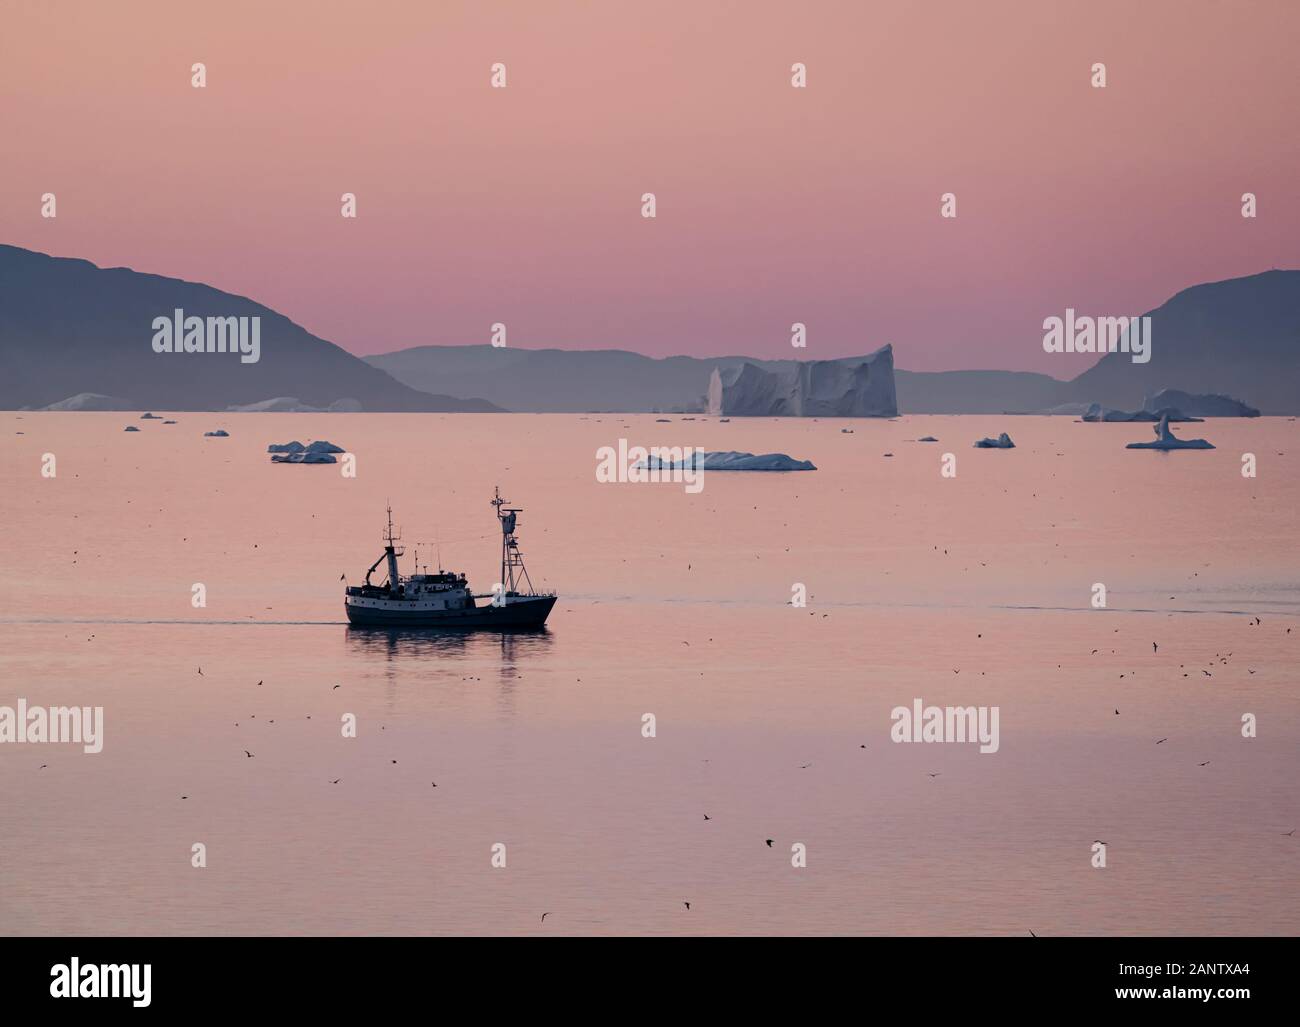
pixel 69 327
pixel 1240 337
pixel 560 380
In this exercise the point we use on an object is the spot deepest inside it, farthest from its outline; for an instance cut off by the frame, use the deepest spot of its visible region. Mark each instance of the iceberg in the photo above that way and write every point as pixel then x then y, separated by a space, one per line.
pixel 304 458
pixel 815 388
pixel 1200 405
pixel 150 417
pixel 130 427
pixel 1165 439
pixel 92 401
pixel 729 461
pixel 220 433
pixel 1003 441
pixel 295 452
pixel 297 447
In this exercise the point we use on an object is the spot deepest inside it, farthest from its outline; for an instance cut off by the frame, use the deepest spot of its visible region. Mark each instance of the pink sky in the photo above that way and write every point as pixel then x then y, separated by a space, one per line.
pixel 775 204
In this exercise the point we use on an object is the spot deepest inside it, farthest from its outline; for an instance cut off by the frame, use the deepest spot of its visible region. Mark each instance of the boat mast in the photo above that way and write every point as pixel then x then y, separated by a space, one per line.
pixel 511 558
pixel 390 551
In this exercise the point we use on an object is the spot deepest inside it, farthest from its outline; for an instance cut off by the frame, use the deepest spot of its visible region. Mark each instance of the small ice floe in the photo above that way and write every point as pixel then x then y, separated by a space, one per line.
pixel 1003 441
pixel 846 431
pixel 220 433
pixel 130 427
pixel 730 461
pixel 927 438
pixel 663 420
pixel 169 422
pixel 304 458
pixel 150 417
pixel 1166 439
pixel 295 452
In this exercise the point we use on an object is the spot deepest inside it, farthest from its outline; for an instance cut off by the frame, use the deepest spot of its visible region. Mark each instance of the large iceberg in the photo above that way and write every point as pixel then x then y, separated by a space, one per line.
pixel 1003 441
pixel 1198 405
pixel 814 388
pixel 1165 439
pixel 730 460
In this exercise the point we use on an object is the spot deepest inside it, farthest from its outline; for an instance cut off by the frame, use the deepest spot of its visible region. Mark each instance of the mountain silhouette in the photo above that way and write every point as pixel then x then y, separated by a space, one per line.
pixel 69 327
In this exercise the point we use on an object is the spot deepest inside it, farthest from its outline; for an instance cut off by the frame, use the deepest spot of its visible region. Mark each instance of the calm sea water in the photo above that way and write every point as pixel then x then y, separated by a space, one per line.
pixel 771 720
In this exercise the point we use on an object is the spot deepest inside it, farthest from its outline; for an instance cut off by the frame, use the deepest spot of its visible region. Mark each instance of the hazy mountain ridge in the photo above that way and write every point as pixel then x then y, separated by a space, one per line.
pixel 1240 337
pixel 68 326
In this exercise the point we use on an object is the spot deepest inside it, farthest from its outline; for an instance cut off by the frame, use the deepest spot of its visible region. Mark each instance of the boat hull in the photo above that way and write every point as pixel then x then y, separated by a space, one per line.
pixel 520 613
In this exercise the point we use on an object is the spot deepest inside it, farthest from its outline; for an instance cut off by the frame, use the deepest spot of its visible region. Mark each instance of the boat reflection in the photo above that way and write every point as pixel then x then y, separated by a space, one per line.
pixel 423 643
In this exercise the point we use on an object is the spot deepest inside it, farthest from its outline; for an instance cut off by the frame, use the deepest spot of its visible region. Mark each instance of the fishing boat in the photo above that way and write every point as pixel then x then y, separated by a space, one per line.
pixel 444 599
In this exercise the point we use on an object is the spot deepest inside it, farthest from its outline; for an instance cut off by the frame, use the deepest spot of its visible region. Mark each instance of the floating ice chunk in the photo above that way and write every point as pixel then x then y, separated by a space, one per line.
pixel 297 447
pixel 730 461
pixel 1003 441
pixel 304 457
pixel 220 433
pixel 1166 439
pixel 150 417
pixel 927 438
pixel 130 427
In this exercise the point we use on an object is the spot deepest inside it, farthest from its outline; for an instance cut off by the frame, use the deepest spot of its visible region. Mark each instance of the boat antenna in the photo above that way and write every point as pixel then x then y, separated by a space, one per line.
pixel 512 560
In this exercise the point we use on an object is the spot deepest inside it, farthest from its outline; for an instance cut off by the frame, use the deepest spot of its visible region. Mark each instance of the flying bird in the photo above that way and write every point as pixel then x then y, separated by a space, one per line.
pixel 707 817
pixel 248 754
pixel 544 916
pixel 1159 740
pixel 769 843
